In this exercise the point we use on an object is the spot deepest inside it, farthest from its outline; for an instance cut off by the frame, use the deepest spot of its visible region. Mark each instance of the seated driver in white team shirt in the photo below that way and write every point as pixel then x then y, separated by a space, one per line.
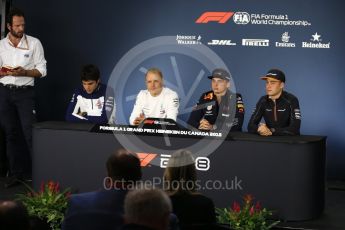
pixel 156 101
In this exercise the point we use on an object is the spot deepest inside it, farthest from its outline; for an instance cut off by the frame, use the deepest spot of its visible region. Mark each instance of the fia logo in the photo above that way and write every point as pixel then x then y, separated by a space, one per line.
pixel 241 18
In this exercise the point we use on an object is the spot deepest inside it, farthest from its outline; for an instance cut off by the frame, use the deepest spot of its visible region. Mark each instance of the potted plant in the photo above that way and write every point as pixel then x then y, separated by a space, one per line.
pixel 248 217
pixel 49 204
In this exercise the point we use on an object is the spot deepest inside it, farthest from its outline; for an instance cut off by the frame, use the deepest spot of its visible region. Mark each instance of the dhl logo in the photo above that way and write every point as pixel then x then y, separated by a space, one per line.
pixel 220 17
pixel 146 158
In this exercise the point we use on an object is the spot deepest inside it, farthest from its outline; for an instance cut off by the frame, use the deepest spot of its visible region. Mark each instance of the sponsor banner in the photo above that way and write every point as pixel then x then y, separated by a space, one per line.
pixel 285 38
pixel 244 18
pixel 137 130
pixel 316 43
pixel 255 42
pixel 188 39
pixel 221 43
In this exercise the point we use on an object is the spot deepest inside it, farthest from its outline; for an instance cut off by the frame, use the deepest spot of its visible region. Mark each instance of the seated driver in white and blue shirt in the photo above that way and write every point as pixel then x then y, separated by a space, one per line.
pixel 93 101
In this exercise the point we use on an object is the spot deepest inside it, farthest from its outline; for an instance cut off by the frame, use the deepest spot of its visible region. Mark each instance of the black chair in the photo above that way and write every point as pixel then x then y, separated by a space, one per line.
pixel 38 224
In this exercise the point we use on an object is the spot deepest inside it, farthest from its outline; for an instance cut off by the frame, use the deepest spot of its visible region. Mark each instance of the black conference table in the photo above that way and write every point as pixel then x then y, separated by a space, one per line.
pixel 286 174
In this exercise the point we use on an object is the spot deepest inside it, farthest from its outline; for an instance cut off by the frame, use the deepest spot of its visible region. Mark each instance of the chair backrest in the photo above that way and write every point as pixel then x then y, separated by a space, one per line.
pixel 205 227
pixel 93 221
pixel 38 224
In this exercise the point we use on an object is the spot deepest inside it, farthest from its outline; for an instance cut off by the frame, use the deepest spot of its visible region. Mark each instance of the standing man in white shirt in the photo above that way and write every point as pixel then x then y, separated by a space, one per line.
pixel 21 60
pixel 156 101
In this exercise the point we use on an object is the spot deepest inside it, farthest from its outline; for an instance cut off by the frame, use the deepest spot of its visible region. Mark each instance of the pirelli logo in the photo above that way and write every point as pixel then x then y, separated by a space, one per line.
pixel 255 42
pixel 146 158
pixel 220 17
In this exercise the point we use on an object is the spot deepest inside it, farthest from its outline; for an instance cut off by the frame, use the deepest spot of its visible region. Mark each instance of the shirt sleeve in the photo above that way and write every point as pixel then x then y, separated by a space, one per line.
pixel 295 121
pixel 172 105
pixel 110 107
pixel 72 209
pixel 137 109
pixel 196 114
pixel 239 116
pixel 40 62
pixel 256 117
pixel 73 108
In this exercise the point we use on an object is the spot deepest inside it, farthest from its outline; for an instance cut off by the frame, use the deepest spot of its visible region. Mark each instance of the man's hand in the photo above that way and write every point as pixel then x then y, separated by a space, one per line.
pixel 205 125
pixel 4 71
pixel 139 119
pixel 18 71
pixel 263 130
pixel 83 114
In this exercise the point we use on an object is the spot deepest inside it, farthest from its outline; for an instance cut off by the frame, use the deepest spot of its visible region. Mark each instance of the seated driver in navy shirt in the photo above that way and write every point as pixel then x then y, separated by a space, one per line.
pixel 93 101
pixel 278 108
pixel 218 109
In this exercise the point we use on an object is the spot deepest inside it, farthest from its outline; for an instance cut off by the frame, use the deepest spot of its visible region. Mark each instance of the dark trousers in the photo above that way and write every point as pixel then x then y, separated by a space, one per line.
pixel 16 118
pixel 3 158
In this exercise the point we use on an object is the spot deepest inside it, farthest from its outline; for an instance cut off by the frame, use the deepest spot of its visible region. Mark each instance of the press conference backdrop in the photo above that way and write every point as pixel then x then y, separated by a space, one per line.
pixel 186 40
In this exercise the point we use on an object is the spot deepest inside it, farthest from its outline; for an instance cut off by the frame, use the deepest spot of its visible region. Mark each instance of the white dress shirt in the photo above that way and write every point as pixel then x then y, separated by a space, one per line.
pixel 28 54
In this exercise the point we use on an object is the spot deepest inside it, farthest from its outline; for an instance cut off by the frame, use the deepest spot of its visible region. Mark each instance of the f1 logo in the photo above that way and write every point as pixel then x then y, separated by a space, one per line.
pixel 146 158
pixel 220 17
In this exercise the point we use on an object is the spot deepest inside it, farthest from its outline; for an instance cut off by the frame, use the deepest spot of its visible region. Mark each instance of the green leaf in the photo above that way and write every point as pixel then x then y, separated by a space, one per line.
pixel 244 219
